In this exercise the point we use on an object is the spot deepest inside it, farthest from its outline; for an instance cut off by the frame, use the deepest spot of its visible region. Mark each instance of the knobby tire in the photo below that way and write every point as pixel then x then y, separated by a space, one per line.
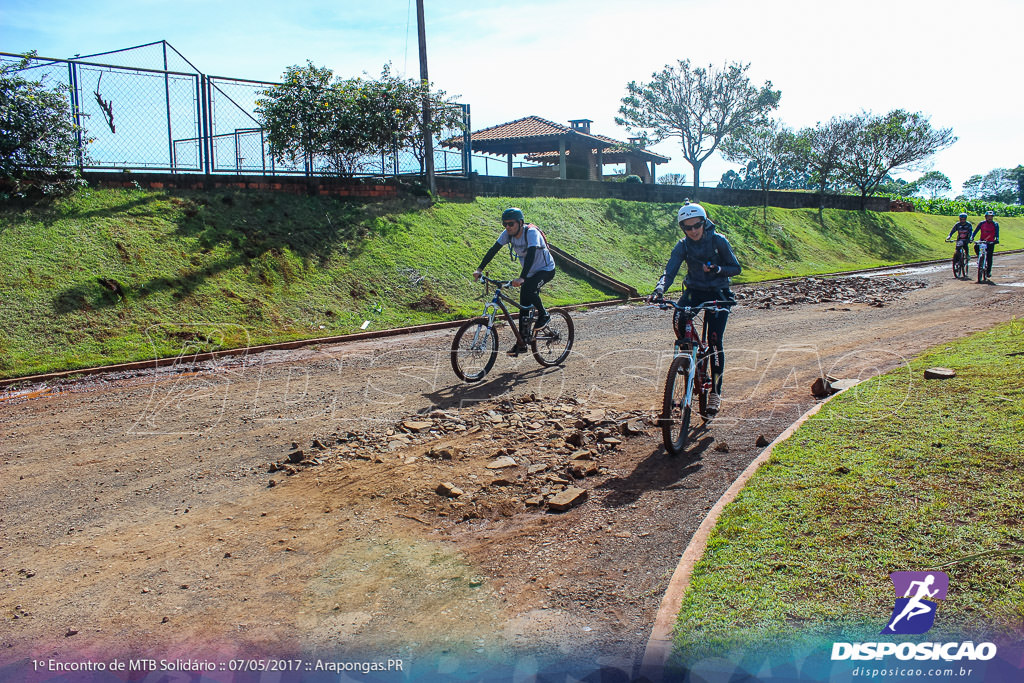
pixel 553 342
pixel 466 361
pixel 675 414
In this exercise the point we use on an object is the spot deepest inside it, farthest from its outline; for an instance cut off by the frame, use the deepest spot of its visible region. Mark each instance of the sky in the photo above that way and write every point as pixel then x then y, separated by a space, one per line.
pixel 569 59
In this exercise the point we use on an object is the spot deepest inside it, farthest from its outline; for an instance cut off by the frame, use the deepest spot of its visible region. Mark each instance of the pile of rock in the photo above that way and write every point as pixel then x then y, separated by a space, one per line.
pixel 874 291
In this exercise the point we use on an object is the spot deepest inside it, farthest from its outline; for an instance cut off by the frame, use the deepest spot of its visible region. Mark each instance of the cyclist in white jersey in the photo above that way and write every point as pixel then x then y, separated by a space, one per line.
pixel 526 243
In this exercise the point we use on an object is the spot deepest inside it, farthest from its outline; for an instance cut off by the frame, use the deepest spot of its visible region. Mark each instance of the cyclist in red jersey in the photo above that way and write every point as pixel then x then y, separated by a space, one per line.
pixel 987 231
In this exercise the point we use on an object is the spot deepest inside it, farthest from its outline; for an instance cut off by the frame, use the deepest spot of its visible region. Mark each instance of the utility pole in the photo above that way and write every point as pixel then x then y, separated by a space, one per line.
pixel 428 138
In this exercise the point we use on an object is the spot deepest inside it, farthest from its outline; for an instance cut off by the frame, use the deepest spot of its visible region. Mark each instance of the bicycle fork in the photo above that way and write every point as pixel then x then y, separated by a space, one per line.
pixel 691 373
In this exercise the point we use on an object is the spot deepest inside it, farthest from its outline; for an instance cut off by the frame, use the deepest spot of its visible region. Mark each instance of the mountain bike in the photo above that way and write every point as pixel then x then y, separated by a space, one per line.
pixel 475 347
pixel 689 374
pixel 983 248
pixel 961 259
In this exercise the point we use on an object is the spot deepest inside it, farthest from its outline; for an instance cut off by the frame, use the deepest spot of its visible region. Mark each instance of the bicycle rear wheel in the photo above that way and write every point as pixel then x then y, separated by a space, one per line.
pixel 675 412
pixel 965 265
pixel 474 350
pixel 551 344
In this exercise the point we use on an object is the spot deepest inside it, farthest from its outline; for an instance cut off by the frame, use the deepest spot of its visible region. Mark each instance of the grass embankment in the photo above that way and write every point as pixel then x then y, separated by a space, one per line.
pixel 900 473
pixel 110 276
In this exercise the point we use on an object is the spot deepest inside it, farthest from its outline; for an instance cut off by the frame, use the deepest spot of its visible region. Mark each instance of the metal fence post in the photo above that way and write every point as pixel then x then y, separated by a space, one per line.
pixel 167 97
pixel 467 143
pixel 76 112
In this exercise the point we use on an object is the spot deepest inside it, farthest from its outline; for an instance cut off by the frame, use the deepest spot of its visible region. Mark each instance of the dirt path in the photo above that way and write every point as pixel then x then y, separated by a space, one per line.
pixel 139 516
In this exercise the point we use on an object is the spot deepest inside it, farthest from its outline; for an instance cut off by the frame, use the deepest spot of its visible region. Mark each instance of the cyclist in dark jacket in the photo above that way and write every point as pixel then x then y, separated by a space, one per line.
pixel 989 232
pixel 710 264
pixel 962 228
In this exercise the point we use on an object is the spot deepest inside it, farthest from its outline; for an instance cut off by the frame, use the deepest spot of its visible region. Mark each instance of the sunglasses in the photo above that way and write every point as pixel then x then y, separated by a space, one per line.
pixel 510 224
pixel 691 228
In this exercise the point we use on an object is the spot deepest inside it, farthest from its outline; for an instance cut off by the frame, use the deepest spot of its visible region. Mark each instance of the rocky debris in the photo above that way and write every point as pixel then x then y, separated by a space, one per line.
pixel 448 490
pixel 71 632
pixel 502 462
pixel 567 499
pixel 827 385
pixel 443 452
pixel 939 373
pixel 873 291
pixel 762 441
pixel 296 456
pixel 554 445
pixel 722 446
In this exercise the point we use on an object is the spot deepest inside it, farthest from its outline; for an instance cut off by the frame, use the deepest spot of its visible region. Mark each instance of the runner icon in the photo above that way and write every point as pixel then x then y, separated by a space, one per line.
pixel 916 606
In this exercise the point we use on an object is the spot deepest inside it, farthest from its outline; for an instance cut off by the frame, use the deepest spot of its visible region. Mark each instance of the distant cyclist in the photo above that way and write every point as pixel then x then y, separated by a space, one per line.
pixel 527 244
pixel 962 228
pixel 987 231
pixel 709 265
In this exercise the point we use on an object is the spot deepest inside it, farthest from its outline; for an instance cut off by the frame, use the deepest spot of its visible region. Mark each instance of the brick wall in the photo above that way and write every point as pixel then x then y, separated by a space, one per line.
pixel 478 186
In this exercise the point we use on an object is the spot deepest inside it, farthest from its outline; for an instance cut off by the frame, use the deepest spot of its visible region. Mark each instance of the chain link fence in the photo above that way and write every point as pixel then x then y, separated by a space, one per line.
pixel 148 108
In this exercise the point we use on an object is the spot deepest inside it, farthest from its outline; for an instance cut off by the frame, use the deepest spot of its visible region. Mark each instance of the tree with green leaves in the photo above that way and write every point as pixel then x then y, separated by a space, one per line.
pixel 314 115
pixel 934 183
pixel 972 187
pixel 880 144
pixel 700 106
pixel 820 150
pixel 768 145
pixel 40 148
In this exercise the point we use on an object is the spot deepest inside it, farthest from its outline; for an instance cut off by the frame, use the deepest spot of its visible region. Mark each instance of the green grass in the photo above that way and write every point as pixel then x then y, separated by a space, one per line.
pixel 204 270
pixel 900 473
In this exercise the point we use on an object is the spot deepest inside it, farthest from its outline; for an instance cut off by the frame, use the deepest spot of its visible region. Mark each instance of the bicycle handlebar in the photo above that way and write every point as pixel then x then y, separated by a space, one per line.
pixel 709 306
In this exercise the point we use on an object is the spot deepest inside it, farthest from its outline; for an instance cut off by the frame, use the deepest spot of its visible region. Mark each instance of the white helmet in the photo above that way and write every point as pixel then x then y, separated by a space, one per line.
pixel 691 211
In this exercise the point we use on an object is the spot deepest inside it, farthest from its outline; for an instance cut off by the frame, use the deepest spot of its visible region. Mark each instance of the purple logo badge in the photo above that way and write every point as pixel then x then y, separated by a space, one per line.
pixel 916 593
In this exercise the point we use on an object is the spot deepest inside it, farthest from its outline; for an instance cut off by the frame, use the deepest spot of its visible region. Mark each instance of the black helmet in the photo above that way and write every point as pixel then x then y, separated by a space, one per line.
pixel 513 214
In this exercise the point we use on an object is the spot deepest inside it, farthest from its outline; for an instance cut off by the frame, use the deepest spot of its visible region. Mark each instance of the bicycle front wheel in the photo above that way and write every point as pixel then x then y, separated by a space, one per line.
pixel 957 265
pixel 675 412
pixel 981 268
pixel 551 344
pixel 474 350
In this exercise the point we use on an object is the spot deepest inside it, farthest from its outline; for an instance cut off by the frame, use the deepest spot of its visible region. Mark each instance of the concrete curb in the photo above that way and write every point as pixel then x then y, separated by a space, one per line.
pixel 659 645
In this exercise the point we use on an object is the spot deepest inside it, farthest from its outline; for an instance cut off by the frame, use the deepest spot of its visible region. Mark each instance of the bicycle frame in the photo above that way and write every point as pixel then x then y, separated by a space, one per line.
pixel 692 344
pixel 498 302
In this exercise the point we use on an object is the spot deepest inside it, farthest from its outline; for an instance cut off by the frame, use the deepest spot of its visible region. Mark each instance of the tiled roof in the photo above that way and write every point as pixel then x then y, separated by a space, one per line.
pixel 529 127
pixel 615 149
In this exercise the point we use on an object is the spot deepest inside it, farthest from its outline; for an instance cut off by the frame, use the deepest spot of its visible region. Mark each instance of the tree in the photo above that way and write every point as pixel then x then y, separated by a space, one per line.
pixel 934 183
pixel 39 140
pixel 880 144
pixel 972 187
pixel 699 106
pixel 672 179
pixel 1018 174
pixel 344 121
pixel 820 149
pixel 999 185
pixel 768 145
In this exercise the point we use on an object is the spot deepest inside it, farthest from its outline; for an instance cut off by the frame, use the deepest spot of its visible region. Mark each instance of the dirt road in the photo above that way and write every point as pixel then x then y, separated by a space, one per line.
pixel 169 515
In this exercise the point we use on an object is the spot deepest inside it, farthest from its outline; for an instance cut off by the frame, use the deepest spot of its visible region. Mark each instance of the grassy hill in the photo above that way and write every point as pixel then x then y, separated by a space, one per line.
pixel 109 276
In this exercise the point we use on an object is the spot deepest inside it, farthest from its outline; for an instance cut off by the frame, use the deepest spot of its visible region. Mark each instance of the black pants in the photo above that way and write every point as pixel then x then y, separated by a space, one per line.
pixel 529 293
pixel 716 328
pixel 988 257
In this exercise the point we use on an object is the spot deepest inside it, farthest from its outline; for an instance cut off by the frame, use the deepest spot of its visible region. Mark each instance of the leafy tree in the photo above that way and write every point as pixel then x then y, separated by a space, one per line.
pixel 672 179
pixel 699 106
pixel 39 145
pixel 999 185
pixel 934 183
pixel 880 144
pixel 820 150
pixel 972 187
pixel 768 145
pixel 314 115
pixel 1018 174
pixel 897 187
